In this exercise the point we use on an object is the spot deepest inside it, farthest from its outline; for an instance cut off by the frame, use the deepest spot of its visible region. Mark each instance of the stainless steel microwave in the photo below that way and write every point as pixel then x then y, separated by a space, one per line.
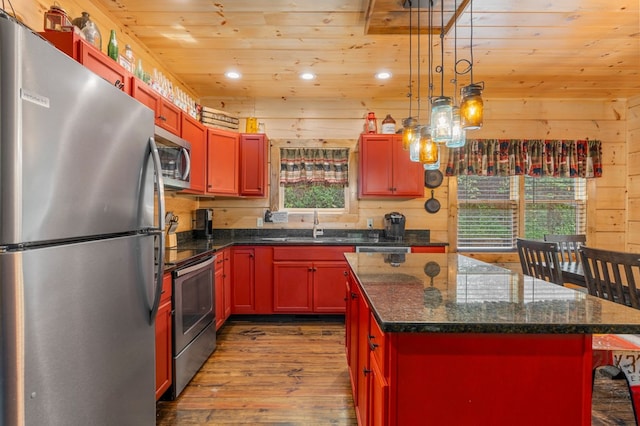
pixel 175 158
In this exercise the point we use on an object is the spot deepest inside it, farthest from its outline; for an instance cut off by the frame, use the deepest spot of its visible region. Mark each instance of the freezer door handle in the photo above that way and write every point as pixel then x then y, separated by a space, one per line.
pixel 157 167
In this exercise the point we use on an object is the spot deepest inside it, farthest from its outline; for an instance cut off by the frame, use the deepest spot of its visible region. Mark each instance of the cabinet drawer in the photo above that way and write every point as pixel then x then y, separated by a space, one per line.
pixel 311 253
pixel 377 345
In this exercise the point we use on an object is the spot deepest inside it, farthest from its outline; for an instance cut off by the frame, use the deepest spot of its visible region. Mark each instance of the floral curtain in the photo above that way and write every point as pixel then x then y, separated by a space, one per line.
pixel 531 157
pixel 321 166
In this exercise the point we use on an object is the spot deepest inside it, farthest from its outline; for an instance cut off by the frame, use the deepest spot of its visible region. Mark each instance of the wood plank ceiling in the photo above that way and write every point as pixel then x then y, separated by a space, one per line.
pixel 522 49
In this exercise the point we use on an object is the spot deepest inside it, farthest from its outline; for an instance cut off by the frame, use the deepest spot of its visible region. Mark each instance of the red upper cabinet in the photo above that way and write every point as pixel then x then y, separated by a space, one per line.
pixel 196 134
pixel 223 153
pixel 73 45
pixel 104 66
pixel 167 115
pixel 253 165
pixel 386 170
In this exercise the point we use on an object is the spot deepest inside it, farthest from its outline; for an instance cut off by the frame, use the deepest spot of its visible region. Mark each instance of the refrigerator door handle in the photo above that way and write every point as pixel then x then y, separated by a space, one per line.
pixel 160 260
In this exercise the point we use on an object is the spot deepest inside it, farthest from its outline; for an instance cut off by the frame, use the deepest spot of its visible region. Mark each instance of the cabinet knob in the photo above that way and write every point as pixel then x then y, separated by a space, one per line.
pixel 162 118
pixel 366 371
pixel 354 296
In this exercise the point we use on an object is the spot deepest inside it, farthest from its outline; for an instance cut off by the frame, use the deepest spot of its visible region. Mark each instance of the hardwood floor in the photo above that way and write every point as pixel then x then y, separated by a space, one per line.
pixel 295 373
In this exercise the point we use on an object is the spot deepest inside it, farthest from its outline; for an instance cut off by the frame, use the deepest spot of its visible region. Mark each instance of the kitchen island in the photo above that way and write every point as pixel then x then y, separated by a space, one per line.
pixel 446 339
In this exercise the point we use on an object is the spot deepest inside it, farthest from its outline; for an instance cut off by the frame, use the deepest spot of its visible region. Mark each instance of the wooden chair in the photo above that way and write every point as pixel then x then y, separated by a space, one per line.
pixel 568 244
pixel 540 259
pixel 613 276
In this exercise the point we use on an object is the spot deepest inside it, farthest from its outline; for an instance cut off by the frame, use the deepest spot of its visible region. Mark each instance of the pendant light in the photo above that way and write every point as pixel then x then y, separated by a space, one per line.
pixel 472 106
pixel 428 149
pixel 458 135
pixel 414 143
pixel 409 124
pixel 442 106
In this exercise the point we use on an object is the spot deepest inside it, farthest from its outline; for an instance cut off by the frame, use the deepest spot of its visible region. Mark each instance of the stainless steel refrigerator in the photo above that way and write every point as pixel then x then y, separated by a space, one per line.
pixel 77 290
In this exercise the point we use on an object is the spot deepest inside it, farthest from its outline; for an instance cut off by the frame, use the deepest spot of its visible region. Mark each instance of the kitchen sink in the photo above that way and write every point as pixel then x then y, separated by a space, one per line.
pixel 311 239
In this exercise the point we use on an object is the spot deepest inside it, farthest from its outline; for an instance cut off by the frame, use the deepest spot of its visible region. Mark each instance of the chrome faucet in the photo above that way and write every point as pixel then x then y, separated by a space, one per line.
pixel 316 230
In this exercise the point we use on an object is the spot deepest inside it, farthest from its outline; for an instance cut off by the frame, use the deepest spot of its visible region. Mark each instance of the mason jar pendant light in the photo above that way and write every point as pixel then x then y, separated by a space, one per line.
pixel 442 106
pixel 414 145
pixel 471 106
pixel 408 132
pixel 441 118
pixel 428 149
pixel 458 136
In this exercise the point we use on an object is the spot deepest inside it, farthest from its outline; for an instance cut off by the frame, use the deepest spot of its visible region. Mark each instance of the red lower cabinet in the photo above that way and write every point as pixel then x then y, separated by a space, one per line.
pixel 163 339
pixel 310 279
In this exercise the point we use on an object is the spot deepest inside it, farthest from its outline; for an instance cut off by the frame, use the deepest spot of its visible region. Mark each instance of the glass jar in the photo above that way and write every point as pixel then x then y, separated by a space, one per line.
pixel 472 107
pixel 441 118
pixel 92 34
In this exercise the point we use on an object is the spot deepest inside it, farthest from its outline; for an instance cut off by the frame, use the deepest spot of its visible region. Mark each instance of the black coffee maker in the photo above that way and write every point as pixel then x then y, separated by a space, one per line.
pixel 394 226
pixel 204 224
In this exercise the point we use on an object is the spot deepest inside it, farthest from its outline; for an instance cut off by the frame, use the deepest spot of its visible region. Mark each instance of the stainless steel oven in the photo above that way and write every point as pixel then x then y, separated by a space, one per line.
pixel 194 333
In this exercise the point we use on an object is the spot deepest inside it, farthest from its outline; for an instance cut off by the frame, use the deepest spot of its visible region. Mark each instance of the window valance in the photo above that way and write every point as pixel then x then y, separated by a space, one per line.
pixel 531 157
pixel 321 166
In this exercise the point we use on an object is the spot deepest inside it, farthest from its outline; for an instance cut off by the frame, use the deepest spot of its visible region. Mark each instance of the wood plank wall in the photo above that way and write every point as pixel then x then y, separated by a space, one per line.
pixel 605 120
pixel 614 221
pixel 31 12
pixel 633 180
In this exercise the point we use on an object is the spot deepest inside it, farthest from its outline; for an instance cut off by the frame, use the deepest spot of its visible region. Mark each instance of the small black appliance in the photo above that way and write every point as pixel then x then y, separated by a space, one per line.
pixel 394 226
pixel 204 224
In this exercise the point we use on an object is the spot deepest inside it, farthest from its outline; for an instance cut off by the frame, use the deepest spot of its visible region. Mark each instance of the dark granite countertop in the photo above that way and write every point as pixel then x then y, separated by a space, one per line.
pixel 190 249
pixel 469 296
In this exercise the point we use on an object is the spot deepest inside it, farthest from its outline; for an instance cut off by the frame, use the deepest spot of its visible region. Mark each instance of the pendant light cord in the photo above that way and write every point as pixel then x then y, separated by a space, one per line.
pixel 418 66
pixel 410 94
pixel 441 48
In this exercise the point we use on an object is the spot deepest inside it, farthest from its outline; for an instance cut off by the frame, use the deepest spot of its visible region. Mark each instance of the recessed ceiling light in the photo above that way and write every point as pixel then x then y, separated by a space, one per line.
pixel 233 75
pixel 307 76
pixel 383 75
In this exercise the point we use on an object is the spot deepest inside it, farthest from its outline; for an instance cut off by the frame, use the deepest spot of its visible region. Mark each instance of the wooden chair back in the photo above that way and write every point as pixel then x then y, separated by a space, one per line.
pixel 540 259
pixel 568 245
pixel 612 275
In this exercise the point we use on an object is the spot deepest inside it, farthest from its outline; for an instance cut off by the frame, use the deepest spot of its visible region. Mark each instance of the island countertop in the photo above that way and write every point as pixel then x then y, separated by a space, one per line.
pixel 451 293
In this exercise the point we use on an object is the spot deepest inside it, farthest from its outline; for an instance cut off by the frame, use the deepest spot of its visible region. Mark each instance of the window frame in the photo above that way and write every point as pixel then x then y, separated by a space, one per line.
pixel 520 202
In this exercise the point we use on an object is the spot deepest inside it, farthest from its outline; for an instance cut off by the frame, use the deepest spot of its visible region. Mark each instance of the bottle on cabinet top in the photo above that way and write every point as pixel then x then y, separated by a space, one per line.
pixel 388 125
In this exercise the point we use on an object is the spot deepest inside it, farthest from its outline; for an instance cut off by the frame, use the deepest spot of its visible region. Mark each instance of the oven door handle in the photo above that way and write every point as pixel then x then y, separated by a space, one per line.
pixel 192 268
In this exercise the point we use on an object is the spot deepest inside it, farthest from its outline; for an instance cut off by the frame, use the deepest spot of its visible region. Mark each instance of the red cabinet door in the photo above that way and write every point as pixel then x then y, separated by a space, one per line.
pixel 253 165
pixel 218 284
pixel 164 368
pixel 328 287
pixel 243 295
pixel 386 170
pixel 408 176
pixel 195 133
pixel 145 95
pixel 169 116
pixel 363 371
pixel 222 162
pixel 378 399
pixel 376 167
pixel 293 286
pixel 104 66
pixel 227 282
